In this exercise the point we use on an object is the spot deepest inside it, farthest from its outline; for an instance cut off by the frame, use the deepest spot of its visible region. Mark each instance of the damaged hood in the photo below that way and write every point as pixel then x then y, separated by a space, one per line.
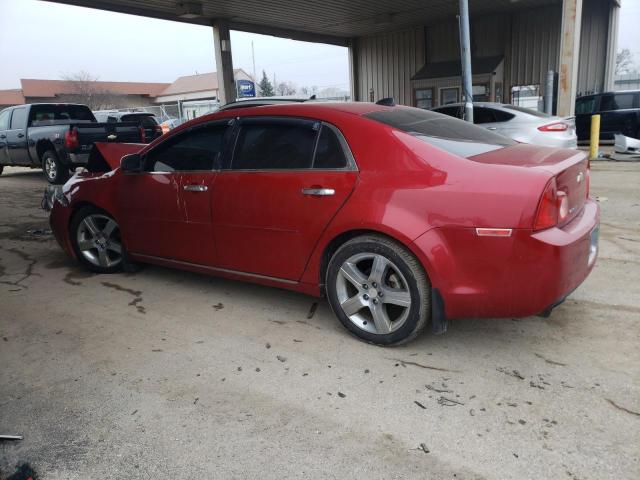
pixel 105 157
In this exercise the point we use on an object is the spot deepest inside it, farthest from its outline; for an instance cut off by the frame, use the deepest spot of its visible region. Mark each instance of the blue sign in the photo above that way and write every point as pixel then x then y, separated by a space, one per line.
pixel 246 88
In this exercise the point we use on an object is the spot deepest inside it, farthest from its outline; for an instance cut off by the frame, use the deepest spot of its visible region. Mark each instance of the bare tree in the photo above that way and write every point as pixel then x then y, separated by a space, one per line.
pixel 286 88
pixel 624 61
pixel 85 89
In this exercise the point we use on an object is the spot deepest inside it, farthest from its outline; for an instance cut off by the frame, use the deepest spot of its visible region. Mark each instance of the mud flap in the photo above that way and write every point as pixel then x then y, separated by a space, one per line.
pixel 439 321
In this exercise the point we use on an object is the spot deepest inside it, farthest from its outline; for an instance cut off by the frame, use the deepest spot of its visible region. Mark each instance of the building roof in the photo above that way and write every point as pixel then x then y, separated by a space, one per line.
pixel 11 97
pixel 197 83
pixel 479 66
pixel 51 88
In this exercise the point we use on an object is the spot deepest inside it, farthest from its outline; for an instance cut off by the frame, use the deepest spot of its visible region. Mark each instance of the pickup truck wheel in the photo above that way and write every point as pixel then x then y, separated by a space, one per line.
pixel 95 237
pixel 54 171
pixel 378 290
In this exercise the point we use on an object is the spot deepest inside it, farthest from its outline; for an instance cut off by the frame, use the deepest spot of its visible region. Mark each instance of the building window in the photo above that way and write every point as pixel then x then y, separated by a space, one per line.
pixel 423 98
pixel 527 96
pixel 481 93
pixel 449 95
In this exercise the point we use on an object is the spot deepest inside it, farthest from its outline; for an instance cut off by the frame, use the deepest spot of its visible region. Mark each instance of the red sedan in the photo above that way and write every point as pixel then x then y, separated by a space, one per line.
pixel 401 217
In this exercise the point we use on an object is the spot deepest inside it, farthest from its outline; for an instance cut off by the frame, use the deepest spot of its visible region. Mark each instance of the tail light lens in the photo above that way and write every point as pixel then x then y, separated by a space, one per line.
pixel 553 207
pixel 71 140
pixel 554 127
pixel 143 135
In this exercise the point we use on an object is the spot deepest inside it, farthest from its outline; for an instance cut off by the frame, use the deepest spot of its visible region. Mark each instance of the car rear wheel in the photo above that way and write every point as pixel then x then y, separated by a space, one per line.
pixel 96 240
pixel 378 290
pixel 54 171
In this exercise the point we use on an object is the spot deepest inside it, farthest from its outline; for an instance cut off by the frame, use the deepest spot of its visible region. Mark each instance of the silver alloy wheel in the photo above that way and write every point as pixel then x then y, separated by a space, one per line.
pixel 373 293
pixel 50 167
pixel 98 238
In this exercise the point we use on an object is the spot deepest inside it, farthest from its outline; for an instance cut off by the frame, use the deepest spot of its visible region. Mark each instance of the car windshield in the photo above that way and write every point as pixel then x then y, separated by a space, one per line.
pixel 447 133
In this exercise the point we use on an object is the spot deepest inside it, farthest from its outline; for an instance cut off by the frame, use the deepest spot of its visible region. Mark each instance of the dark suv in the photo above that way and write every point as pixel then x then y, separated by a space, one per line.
pixel 619 113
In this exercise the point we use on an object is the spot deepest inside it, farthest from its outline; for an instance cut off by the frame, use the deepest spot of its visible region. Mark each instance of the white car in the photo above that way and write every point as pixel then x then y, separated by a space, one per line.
pixel 520 124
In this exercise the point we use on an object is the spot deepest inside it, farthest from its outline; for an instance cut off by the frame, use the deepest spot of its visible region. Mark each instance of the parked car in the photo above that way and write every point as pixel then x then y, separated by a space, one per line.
pixel 619 113
pixel 520 124
pixel 147 121
pixel 55 137
pixel 400 216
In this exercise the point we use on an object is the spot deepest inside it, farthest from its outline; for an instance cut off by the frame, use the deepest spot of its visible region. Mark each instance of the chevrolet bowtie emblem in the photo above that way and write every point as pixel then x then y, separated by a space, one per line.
pixel 113 137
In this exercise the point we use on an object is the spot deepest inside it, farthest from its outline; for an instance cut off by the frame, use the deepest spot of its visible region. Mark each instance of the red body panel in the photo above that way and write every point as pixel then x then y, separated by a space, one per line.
pixel 260 223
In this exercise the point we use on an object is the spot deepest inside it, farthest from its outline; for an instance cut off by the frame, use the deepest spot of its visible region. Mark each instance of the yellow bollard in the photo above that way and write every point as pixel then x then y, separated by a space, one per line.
pixel 594 142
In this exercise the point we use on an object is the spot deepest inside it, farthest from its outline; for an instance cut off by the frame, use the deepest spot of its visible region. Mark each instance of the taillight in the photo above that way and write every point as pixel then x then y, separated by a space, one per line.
pixel 71 140
pixel 143 135
pixel 553 207
pixel 554 127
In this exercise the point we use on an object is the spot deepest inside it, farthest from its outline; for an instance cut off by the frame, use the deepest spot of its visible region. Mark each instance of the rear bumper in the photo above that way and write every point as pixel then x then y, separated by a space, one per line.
pixel 521 275
pixel 78 158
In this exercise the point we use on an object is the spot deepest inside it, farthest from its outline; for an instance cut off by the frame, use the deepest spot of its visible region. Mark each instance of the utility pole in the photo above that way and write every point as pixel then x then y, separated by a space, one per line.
pixel 253 57
pixel 465 57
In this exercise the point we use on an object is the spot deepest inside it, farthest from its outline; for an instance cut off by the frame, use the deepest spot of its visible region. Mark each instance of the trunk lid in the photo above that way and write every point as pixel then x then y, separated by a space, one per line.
pixel 570 168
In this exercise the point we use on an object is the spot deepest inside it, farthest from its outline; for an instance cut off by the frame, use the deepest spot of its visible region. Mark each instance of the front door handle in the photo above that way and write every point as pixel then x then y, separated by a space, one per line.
pixel 492 128
pixel 318 192
pixel 195 188
pixel 20 135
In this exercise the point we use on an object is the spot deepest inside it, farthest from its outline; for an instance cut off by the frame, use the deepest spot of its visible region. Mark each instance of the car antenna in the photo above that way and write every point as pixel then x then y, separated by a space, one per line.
pixel 386 102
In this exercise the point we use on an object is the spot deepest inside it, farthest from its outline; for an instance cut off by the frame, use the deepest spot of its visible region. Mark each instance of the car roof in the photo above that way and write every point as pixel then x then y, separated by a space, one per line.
pixel 303 107
pixel 475 104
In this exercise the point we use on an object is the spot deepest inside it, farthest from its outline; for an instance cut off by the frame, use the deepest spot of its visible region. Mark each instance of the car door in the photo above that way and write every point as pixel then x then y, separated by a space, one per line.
pixel 4 126
pixel 166 209
pixel 286 180
pixel 585 108
pixel 17 137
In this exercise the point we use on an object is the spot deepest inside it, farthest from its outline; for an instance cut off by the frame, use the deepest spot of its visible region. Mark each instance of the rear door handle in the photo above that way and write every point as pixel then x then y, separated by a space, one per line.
pixel 20 135
pixel 3 136
pixel 195 188
pixel 492 128
pixel 318 192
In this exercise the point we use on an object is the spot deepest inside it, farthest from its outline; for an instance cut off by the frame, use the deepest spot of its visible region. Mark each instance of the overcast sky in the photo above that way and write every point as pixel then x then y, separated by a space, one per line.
pixel 47 40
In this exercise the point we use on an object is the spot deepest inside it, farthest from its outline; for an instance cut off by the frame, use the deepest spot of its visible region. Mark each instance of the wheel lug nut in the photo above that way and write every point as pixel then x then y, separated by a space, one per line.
pixel 375 301
pixel 374 285
pixel 380 294
pixel 365 286
pixel 365 296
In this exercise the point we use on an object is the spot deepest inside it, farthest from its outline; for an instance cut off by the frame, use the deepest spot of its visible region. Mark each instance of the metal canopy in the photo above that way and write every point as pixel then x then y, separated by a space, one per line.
pixel 327 21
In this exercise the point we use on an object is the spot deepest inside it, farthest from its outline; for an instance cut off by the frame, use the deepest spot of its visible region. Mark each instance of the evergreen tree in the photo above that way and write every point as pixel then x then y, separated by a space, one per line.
pixel 266 89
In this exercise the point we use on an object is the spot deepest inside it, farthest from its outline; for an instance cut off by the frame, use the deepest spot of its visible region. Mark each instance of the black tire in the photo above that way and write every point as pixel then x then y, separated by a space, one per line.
pixel 79 229
pixel 409 275
pixel 53 170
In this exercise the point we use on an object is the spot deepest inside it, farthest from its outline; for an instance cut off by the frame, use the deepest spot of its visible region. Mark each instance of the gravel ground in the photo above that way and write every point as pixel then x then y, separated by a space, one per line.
pixel 167 374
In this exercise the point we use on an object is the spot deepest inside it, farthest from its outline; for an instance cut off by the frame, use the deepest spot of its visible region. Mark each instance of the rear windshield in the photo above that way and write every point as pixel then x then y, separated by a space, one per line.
pixel 529 111
pixel 145 120
pixel 447 133
pixel 59 114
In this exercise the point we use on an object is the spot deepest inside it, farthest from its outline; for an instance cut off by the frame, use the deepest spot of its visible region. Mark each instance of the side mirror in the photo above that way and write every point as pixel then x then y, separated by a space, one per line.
pixel 131 163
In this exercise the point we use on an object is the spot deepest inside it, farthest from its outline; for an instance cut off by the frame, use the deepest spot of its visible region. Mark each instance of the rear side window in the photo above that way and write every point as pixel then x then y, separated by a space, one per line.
pixel 451 111
pixel 502 116
pixel 265 145
pixel 585 105
pixel 18 118
pixel 59 114
pixel 329 152
pixel 483 115
pixel 199 149
pixel 450 134
pixel 4 120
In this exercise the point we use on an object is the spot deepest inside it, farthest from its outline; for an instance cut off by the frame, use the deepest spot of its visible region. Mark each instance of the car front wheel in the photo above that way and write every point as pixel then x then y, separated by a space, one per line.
pixel 378 290
pixel 96 240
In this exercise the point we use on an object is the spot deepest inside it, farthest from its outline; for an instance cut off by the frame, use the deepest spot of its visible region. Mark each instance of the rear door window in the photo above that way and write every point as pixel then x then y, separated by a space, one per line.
pixel 450 134
pixel 585 105
pixel 18 119
pixel 275 144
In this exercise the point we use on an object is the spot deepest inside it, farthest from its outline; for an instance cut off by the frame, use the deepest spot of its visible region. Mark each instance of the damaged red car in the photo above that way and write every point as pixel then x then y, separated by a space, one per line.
pixel 402 217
